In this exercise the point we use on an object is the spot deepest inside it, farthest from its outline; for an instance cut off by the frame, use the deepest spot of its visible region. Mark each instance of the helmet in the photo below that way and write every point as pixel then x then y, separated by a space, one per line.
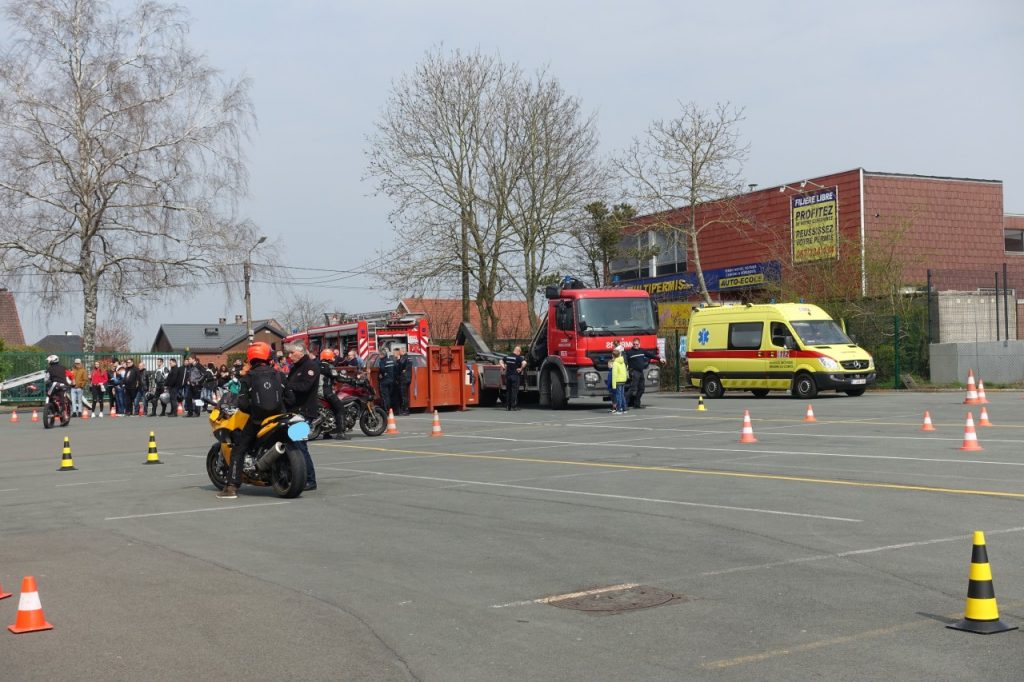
pixel 258 351
pixel 327 354
pixel 52 359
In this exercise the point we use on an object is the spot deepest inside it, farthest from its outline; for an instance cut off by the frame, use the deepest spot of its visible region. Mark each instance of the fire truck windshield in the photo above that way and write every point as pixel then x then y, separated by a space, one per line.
pixel 601 316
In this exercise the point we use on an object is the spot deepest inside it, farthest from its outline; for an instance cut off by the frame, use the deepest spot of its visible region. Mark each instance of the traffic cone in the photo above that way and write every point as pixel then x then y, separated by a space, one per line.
pixel 35 416
pixel 700 404
pixel 4 595
pixel 153 457
pixel 981 614
pixel 113 410
pixel 30 611
pixel 66 463
pixel 927 425
pixel 747 434
pixel 85 412
pixel 435 429
pixel 981 392
pixel 392 427
pixel 809 417
pixel 970 436
pixel 983 419
pixel 972 391
pixel 181 410
pixel 142 410
pixel 14 416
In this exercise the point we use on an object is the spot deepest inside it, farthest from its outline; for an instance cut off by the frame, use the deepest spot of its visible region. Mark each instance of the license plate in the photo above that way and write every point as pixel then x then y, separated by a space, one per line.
pixel 858 381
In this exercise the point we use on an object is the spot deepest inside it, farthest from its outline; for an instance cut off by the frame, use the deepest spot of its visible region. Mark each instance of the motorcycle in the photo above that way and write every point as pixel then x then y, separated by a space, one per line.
pixel 58 406
pixel 358 402
pixel 274 459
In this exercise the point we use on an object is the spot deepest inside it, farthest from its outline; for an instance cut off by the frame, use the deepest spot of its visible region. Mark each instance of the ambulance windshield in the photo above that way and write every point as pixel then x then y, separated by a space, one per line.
pixel 820 333
pixel 603 316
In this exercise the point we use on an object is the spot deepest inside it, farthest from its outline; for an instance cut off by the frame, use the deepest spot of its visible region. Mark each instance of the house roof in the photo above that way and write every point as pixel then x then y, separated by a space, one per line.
pixel 445 315
pixel 210 338
pixel 10 324
pixel 60 343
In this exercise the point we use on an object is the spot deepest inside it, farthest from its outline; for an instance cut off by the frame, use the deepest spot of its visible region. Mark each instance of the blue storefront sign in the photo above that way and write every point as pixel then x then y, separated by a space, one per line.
pixel 682 285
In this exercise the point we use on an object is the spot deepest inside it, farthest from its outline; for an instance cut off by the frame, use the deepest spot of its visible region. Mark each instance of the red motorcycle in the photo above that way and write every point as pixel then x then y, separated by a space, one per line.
pixel 58 406
pixel 358 403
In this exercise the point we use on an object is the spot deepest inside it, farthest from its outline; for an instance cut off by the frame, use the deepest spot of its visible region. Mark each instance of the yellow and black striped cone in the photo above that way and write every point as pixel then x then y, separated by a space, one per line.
pixel 700 404
pixel 152 457
pixel 66 463
pixel 981 615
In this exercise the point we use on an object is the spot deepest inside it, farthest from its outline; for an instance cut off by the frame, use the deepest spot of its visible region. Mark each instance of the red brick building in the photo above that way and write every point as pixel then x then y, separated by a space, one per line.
pixel 929 223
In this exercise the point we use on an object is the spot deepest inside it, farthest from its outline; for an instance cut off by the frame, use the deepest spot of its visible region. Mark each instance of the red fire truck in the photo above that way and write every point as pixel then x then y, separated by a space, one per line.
pixel 369 333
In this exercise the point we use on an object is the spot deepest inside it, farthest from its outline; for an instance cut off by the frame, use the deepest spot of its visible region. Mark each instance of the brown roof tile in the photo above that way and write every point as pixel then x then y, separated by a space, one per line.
pixel 445 315
pixel 10 323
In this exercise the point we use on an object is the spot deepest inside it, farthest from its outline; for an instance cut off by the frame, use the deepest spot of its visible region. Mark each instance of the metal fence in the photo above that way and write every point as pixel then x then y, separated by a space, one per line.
pixel 16 364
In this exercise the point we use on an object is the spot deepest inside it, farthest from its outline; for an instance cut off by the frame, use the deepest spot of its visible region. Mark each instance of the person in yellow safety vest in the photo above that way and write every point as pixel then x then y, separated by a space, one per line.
pixel 619 377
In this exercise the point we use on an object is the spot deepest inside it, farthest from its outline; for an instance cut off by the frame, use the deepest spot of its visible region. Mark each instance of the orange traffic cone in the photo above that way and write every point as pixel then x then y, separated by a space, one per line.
pixel 142 410
pixel 4 595
pixel 85 412
pixel 809 417
pixel 983 420
pixel 435 430
pixel 981 392
pixel 392 427
pixel 747 434
pixel 181 410
pixel 113 410
pixel 14 416
pixel 927 425
pixel 970 436
pixel 35 416
pixel 972 391
pixel 30 611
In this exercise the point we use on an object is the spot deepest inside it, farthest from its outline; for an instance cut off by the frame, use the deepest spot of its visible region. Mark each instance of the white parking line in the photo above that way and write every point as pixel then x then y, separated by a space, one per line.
pixel 568 595
pixel 68 485
pixel 227 507
pixel 609 496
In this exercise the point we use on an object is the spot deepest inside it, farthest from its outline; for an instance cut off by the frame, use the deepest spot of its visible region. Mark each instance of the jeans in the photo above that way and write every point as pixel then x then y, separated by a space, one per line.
pixel 619 398
pixel 310 472
pixel 76 400
pixel 119 400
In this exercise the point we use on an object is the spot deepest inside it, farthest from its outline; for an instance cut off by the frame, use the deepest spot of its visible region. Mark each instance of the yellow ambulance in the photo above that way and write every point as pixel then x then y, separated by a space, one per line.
pixel 793 347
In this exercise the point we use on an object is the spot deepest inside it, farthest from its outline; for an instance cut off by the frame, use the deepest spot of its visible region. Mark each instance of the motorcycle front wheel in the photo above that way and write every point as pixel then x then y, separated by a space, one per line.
pixel 288 473
pixel 216 467
pixel 373 422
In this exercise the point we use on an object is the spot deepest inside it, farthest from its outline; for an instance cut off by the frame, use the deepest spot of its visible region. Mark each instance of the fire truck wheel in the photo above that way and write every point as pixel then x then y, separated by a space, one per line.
pixel 558 397
pixel 489 397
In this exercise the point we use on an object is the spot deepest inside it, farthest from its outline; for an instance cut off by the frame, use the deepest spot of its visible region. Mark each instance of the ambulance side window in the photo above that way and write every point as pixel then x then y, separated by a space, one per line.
pixel 781 336
pixel 745 335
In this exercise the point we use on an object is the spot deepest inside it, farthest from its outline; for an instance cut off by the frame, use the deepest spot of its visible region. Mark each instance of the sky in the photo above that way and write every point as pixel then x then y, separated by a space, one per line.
pixel 923 87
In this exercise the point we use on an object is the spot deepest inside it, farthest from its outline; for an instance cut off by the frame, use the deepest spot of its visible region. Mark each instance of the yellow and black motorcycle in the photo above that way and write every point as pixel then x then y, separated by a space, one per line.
pixel 274 459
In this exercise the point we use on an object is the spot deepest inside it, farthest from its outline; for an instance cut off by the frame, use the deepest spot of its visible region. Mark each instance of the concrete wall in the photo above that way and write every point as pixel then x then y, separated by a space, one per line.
pixel 996 362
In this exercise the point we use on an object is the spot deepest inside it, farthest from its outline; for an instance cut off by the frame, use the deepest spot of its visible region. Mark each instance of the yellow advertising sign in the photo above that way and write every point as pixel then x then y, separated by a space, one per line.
pixel 815 220
pixel 674 316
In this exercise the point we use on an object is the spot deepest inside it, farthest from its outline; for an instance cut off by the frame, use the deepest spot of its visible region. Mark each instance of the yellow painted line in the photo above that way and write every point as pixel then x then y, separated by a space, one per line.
pixel 696 472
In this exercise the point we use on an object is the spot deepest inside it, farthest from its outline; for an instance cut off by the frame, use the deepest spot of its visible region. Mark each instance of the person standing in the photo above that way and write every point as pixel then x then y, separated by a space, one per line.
pixel 175 380
pixel 403 379
pixel 159 386
pixel 98 385
pixel 619 378
pixel 515 365
pixel 386 379
pixel 131 388
pixel 300 394
pixel 79 380
pixel 637 361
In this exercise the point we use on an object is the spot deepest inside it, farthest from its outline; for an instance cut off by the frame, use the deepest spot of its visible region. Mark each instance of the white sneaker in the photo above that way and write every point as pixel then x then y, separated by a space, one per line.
pixel 100 415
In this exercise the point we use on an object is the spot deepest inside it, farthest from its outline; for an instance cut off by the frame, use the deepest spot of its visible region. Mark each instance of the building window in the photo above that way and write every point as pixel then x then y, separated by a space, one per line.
pixel 635 259
pixel 1013 241
pixel 671 252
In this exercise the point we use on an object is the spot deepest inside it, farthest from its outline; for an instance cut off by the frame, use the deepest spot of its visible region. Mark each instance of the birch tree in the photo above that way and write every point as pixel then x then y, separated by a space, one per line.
pixel 120 156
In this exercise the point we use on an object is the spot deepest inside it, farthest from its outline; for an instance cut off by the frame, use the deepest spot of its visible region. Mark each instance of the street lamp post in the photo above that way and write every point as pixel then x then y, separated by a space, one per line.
pixel 247 274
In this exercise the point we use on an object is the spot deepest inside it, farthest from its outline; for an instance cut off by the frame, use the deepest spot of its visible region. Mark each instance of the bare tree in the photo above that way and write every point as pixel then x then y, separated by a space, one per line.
pixel 303 311
pixel 553 146
pixel 120 155
pixel 113 336
pixel 684 163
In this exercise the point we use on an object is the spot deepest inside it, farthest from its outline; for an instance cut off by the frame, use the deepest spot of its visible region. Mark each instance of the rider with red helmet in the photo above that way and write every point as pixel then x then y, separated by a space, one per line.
pixel 330 375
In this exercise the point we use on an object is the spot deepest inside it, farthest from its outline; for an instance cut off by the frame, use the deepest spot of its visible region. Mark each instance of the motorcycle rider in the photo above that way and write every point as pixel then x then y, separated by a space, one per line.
pixel 331 375
pixel 258 355
pixel 56 373
pixel 301 389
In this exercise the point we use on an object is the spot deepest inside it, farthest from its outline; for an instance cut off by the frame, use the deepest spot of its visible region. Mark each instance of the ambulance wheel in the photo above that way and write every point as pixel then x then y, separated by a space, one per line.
pixel 712 386
pixel 759 392
pixel 804 386
pixel 854 392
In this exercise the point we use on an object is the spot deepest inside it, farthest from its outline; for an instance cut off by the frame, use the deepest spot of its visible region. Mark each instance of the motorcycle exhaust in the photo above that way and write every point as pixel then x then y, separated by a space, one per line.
pixel 266 461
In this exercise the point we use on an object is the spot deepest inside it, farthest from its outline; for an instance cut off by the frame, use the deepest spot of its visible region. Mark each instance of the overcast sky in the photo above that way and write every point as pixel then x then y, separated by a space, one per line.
pixel 931 87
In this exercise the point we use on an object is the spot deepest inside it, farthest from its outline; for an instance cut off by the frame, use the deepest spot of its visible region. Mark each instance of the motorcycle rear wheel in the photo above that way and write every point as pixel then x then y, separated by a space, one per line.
pixel 288 473
pixel 65 414
pixel 216 467
pixel 373 423
pixel 49 416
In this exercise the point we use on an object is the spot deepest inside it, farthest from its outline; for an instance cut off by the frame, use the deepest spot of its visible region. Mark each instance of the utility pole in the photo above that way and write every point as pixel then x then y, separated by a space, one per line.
pixel 246 275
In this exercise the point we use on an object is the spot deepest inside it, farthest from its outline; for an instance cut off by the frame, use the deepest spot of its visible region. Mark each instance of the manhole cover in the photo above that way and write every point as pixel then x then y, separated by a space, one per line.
pixel 615 601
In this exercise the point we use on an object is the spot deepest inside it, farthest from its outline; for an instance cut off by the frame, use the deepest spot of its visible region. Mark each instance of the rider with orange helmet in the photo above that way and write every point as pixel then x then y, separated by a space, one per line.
pixel 330 375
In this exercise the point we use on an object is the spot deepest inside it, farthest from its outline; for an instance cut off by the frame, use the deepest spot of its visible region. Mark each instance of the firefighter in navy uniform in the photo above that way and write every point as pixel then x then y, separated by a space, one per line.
pixel 386 371
pixel 637 361
pixel 403 379
pixel 331 375
pixel 515 365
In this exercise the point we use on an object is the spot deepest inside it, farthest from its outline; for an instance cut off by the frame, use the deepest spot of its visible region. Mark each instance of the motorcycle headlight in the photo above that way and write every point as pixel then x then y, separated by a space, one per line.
pixel 829 363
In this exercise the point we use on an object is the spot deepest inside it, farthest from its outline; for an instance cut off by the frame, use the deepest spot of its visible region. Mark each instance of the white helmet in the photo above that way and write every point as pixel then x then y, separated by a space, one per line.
pixel 52 359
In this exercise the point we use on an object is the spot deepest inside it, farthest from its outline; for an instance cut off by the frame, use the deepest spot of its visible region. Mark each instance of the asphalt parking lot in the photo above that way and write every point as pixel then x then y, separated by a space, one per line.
pixel 833 550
